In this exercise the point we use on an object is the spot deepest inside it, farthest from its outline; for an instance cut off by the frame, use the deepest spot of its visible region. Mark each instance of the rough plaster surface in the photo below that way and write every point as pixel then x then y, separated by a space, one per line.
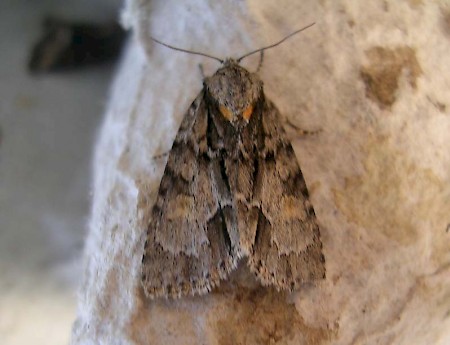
pixel 374 77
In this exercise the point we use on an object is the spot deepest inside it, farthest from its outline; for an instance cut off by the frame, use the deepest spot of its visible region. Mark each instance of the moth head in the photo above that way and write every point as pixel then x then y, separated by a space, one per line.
pixel 235 91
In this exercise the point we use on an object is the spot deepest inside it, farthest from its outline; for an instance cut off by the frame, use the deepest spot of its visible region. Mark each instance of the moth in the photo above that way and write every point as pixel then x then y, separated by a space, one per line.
pixel 232 188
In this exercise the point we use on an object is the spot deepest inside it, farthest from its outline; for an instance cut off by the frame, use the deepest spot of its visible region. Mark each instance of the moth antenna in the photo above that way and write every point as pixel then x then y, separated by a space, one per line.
pixel 275 44
pixel 185 50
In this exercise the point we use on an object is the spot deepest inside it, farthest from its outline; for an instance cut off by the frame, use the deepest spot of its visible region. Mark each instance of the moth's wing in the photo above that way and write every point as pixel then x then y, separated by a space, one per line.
pixel 188 248
pixel 287 249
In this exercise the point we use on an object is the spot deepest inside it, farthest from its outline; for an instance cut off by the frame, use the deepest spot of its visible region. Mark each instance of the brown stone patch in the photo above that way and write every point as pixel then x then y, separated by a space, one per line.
pixel 446 22
pixel 415 3
pixel 384 68
pixel 163 322
pixel 263 316
pixel 394 196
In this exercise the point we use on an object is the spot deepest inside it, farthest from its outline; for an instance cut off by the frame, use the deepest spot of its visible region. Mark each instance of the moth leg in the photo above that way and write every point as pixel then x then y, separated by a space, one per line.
pixel 261 59
pixel 300 132
pixel 161 155
pixel 202 71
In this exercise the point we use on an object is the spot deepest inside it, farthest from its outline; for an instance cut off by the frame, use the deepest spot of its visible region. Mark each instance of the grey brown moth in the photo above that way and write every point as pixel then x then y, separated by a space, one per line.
pixel 232 188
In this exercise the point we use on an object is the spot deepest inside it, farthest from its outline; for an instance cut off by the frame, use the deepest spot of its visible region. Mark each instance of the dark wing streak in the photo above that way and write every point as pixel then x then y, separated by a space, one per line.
pixel 287 249
pixel 188 249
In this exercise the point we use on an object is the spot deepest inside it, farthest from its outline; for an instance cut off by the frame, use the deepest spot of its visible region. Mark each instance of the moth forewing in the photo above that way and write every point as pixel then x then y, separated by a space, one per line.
pixel 232 187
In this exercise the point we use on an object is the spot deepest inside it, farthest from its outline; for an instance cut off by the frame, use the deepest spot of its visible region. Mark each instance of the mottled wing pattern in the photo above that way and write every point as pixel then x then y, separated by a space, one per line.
pixel 188 248
pixel 287 249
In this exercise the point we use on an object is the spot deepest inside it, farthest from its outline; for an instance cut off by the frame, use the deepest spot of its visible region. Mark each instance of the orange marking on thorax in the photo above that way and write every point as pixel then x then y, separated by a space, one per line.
pixel 247 113
pixel 226 113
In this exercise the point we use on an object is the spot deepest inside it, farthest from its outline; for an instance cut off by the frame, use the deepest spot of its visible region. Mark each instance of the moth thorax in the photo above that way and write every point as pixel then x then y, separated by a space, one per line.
pixel 235 90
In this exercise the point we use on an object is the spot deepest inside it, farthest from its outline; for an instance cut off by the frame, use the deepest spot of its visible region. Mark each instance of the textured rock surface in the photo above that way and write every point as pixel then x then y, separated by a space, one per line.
pixel 374 77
